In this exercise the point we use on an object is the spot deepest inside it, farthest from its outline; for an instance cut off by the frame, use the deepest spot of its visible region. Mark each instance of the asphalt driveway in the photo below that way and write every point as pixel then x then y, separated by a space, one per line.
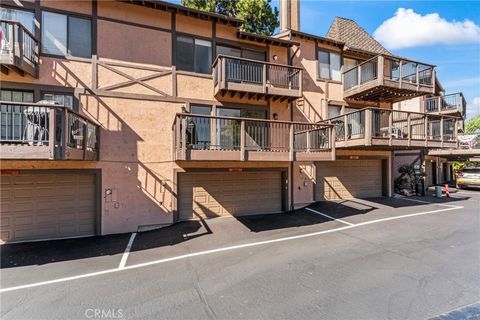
pixel 359 259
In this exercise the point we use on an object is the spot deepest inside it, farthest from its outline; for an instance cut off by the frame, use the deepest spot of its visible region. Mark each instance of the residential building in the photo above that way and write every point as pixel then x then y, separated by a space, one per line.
pixel 118 116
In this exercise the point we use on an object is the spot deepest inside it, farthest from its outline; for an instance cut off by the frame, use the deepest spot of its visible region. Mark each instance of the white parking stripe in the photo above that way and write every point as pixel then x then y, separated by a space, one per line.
pixel 127 251
pixel 435 203
pixel 326 215
pixel 201 253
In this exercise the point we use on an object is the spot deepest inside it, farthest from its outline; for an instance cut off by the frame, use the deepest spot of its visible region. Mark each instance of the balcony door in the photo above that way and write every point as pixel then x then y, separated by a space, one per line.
pixel 228 130
pixel 13 117
pixel 242 70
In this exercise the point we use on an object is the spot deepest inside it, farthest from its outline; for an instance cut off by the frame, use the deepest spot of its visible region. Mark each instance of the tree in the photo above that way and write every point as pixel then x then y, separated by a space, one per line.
pixel 259 16
pixel 473 125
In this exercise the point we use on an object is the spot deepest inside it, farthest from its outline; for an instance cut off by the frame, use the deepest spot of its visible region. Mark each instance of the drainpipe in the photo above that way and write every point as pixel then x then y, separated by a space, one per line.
pixel 292 105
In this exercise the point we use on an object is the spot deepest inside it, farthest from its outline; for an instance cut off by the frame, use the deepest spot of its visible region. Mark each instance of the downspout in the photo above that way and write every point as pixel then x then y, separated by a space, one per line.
pixel 292 105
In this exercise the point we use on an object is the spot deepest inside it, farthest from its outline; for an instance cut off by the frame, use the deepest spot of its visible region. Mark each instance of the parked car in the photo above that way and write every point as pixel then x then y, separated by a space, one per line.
pixel 468 177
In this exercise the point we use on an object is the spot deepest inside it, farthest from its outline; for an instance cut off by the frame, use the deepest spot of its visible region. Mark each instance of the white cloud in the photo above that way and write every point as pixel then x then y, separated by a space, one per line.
pixel 410 29
pixel 473 108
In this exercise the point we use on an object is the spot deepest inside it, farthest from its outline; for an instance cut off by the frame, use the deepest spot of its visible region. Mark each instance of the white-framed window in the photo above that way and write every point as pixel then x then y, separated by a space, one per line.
pixel 329 64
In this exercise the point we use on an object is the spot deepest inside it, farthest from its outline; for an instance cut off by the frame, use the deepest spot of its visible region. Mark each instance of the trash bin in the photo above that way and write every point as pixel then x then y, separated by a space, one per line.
pixel 438 191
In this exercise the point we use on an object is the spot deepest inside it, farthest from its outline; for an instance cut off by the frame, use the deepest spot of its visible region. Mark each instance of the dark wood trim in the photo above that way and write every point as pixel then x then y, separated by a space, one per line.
pixel 135 96
pixel 25 5
pixel 214 41
pixel 38 32
pixel 240 45
pixel 94 27
pixel 134 24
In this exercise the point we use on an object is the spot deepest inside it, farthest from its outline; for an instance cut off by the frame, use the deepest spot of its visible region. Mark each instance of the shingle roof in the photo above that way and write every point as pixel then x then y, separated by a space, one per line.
pixel 354 36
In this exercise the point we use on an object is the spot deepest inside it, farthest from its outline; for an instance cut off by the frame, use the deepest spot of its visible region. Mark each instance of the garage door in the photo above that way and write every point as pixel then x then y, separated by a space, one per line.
pixel 214 194
pixel 346 179
pixel 47 205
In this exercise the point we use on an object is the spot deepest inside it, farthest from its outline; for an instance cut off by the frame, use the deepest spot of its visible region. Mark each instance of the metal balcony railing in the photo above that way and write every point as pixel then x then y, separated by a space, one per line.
pixel 41 131
pixel 389 78
pixel 386 127
pixel 454 102
pixel 256 77
pixel 200 137
pixel 18 48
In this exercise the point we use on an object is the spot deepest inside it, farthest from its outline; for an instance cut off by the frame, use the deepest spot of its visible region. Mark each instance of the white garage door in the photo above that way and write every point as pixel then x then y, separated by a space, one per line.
pixel 346 179
pixel 39 206
pixel 214 194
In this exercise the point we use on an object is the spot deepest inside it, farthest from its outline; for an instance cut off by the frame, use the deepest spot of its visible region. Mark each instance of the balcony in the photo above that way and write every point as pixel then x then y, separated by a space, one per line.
pixel 388 79
pixel 388 129
pixel 41 131
pixel 199 137
pixel 256 79
pixel 449 104
pixel 18 49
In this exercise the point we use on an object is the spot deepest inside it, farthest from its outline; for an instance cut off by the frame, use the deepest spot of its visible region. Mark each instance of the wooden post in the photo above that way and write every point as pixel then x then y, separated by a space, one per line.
pixel 308 140
pixel 417 74
pixel 223 73
pixel 368 127
pixel 177 138
pixel 264 77
pixel 242 140
pixel 441 131
pixel 300 82
pixel 65 133
pixel 439 104
pixel 400 74
pixel 85 135
pixel 51 133
pixel 291 143
pixel 332 141
pixel 426 130
pixel 433 80
pixel 184 138
pixel 359 75
pixel 345 128
pixel 409 128
pixel 380 66
pixel 390 127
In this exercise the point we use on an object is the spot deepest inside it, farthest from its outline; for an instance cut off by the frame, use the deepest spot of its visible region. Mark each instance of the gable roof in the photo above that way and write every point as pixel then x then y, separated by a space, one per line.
pixel 354 36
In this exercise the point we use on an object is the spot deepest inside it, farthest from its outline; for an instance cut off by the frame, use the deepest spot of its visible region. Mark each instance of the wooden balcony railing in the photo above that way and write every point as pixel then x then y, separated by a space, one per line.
pixel 258 79
pixel 449 103
pixel 200 137
pixel 393 128
pixel 41 131
pixel 18 49
pixel 388 79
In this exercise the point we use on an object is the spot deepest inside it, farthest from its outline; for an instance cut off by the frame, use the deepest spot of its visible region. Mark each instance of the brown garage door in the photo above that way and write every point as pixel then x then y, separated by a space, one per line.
pixel 214 194
pixel 346 179
pixel 47 205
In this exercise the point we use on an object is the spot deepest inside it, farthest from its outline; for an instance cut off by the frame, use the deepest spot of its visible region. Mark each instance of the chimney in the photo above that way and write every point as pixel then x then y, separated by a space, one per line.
pixel 289 15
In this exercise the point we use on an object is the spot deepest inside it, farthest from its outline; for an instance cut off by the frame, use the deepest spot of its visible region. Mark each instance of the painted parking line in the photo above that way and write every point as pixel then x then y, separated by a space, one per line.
pixel 123 262
pixel 435 203
pixel 329 217
pixel 224 249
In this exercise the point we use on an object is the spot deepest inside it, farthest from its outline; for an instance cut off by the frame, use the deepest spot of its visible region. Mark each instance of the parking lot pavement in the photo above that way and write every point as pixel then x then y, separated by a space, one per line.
pixel 43 261
pixel 24 263
pixel 300 265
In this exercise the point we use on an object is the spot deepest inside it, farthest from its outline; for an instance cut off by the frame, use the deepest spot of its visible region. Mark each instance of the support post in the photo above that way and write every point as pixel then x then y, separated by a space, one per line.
pixel 345 128
pixel 184 138
pixel 390 127
pixel 291 143
pixel 51 133
pixel 368 127
pixel 242 140
pixel 417 74
pixel 84 142
pixel 426 130
pixel 409 128
pixel 264 77
pixel 400 74
pixel 332 131
pixel 439 104
pixel 65 133
pixel 441 131
pixel 380 66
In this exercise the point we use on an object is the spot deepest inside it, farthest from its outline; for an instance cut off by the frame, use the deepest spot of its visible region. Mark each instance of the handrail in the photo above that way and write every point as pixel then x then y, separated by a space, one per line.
pixel 362 63
pixel 256 61
pixel 50 106
pixel 20 25
pixel 251 119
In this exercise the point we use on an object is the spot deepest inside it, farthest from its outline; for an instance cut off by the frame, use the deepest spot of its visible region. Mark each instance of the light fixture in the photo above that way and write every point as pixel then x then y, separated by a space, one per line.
pixel 275 57
pixel 275 116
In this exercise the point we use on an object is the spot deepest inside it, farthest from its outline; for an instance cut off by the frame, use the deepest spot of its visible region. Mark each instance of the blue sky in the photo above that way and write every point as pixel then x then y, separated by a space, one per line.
pixel 458 65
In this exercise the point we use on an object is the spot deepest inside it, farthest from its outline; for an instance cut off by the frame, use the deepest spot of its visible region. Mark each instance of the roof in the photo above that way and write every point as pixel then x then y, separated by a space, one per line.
pixel 171 7
pixel 266 39
pixel 354 36
pixel 302 35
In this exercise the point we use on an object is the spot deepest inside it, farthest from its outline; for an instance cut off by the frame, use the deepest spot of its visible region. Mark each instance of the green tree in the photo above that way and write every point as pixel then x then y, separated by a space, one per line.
pixel 473 125
pixel 259 16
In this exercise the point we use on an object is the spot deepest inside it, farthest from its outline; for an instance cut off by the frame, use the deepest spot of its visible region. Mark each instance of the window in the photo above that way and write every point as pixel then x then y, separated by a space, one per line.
pixel 60 99
pixel 65 35
pixel 241 53
pixel 334 111
pixel 349 63
pixel 13 119
pixel 26 18
pixel 329 64
pixel 193 54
